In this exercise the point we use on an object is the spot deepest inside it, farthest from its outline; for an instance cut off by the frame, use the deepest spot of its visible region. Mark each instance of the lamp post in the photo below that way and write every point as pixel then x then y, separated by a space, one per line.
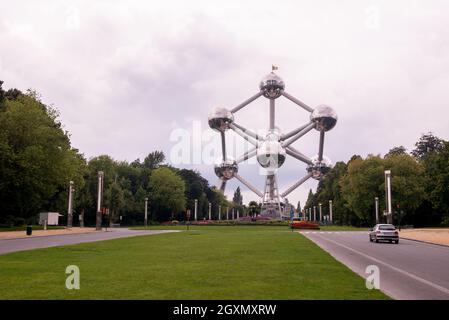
pixel 70 206
pixel 196 209
pixel 321 212
pixel 146 213
pixel 210 209
pixel 388 195
pixel 376 206
pixel 330 211
pixel 99 197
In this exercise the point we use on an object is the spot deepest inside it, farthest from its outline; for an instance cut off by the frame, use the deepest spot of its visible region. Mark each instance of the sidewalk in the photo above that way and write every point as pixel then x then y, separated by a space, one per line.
pixel 436 236
pixel 43 233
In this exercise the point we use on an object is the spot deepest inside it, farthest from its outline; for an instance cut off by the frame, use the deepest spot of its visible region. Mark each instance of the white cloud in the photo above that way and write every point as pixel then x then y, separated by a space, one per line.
pixel 123 74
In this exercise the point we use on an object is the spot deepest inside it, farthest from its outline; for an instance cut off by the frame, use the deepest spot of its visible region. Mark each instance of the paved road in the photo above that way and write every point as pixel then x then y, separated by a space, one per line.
pixel 12 245
pixel 408 270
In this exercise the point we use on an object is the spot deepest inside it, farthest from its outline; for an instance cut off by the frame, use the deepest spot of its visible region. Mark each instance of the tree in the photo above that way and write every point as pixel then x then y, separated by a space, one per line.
pixel 330 189
pixel 396 151
pixel 436 168
pixel 167 193
pixel 115 200
pixel 363 182
pixel 154 160
pixel 253 208
pixel 238 198
pixel 427 144
pixel 36 159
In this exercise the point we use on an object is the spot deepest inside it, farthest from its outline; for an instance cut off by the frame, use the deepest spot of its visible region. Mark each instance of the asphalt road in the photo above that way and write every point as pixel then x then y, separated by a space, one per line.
pixel 12 245
pixel 408 270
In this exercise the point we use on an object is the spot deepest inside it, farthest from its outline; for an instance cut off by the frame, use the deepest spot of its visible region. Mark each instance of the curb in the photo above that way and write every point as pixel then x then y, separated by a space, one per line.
pixel 50 235
pixel 426 242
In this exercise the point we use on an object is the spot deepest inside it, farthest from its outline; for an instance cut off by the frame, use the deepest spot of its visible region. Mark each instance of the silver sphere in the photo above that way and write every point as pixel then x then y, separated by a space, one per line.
pixel 226 169
pixel 220 119
pixel 270 153
pixel 319 168
pixel 324 117
pixel 272 86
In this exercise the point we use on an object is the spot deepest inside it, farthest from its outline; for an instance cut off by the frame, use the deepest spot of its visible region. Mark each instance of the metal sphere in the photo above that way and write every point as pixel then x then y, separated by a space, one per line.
pixel 226 169
pixel 324 117
pixel 270 153
pixel 220 119
pixel 272 86
pixel 319 168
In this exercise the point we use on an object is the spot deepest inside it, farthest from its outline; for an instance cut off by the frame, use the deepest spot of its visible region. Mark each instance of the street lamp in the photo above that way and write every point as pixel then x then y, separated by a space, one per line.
pixel 210 209
pixel 388 195
pixel 146 213
pixel 70 206
pixel 99 197
pixel 196 209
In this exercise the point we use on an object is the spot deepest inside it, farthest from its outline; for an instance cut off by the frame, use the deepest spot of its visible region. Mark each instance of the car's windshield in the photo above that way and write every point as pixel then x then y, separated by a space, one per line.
pixel 387 227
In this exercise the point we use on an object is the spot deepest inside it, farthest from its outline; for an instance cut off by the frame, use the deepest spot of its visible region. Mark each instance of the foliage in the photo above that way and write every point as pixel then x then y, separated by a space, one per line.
pixel 167 193
pixel 36 159
pixel 427 144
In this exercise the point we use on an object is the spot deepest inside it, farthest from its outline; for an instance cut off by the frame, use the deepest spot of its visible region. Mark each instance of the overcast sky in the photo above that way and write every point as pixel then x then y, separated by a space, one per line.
pixel 127 75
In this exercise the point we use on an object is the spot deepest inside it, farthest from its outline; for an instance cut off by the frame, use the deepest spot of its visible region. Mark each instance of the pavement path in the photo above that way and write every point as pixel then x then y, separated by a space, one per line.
pixel 13 245
pixel 409 270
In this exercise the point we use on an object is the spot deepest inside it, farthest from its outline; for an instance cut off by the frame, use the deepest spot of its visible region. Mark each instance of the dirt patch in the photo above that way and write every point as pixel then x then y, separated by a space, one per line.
pixel 42 233
pixel 438 236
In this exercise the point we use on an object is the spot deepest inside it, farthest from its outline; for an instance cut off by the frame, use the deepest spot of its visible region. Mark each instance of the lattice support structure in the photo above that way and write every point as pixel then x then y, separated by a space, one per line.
pixel 272 149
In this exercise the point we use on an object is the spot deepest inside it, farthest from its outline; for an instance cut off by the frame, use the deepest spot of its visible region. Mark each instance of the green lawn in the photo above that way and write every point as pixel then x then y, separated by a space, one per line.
pixel 204 263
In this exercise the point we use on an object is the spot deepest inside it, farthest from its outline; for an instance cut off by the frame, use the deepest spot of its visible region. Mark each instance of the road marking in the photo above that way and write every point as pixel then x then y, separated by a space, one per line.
pixel 433 285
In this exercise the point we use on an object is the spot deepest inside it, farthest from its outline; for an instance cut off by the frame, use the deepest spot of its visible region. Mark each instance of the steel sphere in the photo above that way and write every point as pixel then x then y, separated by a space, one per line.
pixel 319 168
pixel 226 170
pixel 324 117
pixel 220 119
pixel 272 86
pixel 270 153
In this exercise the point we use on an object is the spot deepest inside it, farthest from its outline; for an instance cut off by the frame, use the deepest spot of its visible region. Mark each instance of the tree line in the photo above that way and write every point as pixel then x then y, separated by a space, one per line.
pixel 37 162
pixel 419 184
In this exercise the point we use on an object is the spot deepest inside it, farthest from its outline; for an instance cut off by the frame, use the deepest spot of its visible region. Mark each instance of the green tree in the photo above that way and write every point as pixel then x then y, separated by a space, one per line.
pixel 427 144
pixel 396 151
pixel 167 193
pixel 238 198
pixel 436 171
pixel 407 182
pixel 115 200
pixel 154 160
pixel 36 159
pixel 363 182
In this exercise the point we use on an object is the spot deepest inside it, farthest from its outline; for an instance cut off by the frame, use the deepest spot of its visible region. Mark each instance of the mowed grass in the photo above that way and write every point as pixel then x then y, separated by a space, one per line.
pixel 203 263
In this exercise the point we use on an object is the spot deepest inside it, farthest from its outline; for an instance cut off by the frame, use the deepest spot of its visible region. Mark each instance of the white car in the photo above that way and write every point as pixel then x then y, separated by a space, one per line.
pixel 384 232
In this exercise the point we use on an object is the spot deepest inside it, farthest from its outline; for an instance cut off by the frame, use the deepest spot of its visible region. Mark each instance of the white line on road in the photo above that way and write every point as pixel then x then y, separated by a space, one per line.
pixel 433 285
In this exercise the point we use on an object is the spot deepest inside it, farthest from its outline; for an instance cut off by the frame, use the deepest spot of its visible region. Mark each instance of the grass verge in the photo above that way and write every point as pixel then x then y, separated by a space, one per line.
pixel 203 263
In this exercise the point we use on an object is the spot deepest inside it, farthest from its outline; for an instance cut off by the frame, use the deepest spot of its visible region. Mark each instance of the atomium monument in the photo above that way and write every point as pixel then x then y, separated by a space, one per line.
pixel 272 149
